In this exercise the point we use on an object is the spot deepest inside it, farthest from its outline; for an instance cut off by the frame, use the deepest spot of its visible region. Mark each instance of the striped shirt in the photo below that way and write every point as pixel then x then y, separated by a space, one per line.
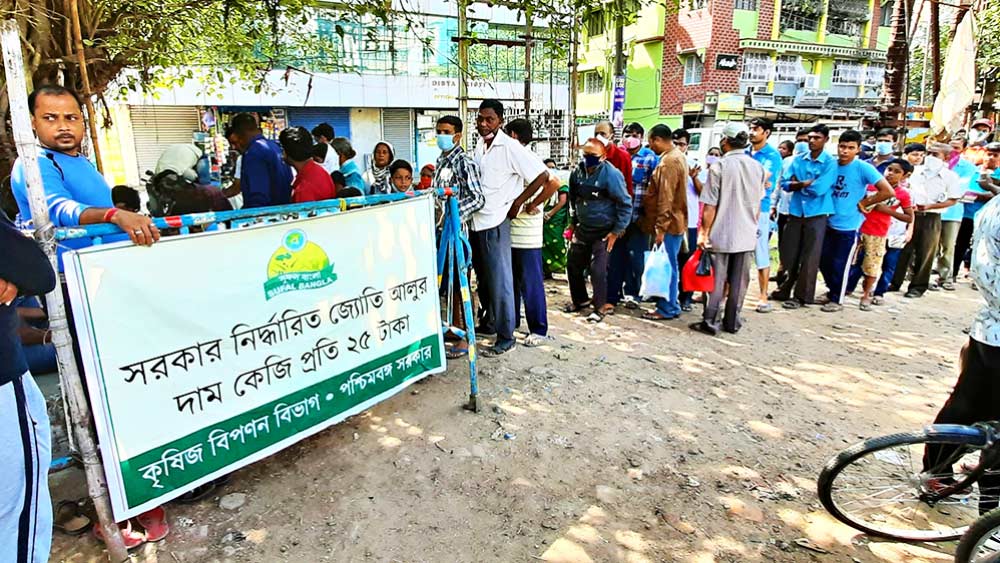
pixel 458 171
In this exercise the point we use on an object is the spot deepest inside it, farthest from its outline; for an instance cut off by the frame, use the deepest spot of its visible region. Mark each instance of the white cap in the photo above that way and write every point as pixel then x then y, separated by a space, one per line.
pixel 734 129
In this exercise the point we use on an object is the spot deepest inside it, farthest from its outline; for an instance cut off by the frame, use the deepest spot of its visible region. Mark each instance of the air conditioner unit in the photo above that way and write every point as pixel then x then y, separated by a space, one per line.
pixel 811 81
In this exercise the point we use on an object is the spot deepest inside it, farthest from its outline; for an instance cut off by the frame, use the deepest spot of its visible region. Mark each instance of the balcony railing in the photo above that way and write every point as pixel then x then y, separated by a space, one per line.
pixel 802 22
pixel 839 26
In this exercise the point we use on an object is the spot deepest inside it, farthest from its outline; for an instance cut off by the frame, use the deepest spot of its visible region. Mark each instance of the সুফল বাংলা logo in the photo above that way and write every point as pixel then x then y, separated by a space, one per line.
pixel 298 264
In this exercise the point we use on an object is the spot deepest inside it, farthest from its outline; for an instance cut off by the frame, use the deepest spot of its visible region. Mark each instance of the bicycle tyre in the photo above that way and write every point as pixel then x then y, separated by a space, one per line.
pixel 836 465
pixel 989 522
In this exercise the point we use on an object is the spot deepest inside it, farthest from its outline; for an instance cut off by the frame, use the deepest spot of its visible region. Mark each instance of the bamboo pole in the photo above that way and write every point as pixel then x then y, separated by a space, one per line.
pixel 85 78
pixel 45 234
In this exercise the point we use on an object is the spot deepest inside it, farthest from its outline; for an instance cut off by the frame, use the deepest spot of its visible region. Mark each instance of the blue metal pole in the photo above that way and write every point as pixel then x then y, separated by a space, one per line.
pixel 460 262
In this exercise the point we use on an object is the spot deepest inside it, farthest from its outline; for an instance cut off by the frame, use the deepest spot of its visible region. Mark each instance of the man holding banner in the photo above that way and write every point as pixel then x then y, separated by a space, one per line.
pixel 75 192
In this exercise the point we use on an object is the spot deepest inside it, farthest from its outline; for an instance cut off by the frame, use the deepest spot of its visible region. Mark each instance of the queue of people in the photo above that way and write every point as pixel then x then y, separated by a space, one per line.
pixel 876 221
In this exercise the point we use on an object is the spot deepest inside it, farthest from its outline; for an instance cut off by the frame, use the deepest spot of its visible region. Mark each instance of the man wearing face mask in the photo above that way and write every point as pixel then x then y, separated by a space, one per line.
pixel 457 171
pixel 885 142
pixel 511 174
pixel 978 137
pixel 951 219
pixel 617 156
pixel 600 209
pixel 933 188
pixel 628 255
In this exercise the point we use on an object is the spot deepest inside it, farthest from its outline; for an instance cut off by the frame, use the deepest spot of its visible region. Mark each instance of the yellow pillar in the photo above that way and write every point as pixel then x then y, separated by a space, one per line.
pixel 821 32
pixel 776 21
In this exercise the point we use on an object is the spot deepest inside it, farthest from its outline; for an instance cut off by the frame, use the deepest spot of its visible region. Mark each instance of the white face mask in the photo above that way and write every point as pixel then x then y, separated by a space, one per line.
pixel 933 164
pixel 977 136
pixel 604 139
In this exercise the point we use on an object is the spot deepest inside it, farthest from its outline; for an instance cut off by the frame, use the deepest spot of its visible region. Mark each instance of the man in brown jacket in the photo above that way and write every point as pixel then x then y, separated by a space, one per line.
pixel 664 216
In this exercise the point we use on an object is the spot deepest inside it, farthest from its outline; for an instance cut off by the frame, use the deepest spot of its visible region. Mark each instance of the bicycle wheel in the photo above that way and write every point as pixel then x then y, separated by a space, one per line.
pixel 981 543
pixel 880 486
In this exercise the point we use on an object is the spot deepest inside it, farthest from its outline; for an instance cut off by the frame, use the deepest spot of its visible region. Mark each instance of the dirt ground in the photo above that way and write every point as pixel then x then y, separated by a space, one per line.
pixel 626 441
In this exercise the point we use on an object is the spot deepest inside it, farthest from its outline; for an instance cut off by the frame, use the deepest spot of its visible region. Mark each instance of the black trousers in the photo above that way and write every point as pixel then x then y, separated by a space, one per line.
pixel 962 244
pixel 976 398
pixel 926 237
pixel 800 250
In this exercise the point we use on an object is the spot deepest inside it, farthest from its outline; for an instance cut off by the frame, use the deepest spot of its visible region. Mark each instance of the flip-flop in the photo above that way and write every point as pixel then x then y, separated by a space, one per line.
pixel 131 538
pixel 155 523
pixel 69 519
pixel 574 308
pixel 654 316
pixel 608 309
pixel 595 317
pixel 454 352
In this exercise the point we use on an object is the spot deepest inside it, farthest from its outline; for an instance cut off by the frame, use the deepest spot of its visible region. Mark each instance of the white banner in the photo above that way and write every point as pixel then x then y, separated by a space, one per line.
pixel 204 353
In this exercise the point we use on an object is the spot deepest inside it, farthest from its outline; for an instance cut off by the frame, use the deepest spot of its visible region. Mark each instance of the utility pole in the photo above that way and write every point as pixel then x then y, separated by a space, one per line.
pixel 72 385
pixel 935 36
pixel 574 77
pixel 463 65
pixel 527 62
pixel 85 77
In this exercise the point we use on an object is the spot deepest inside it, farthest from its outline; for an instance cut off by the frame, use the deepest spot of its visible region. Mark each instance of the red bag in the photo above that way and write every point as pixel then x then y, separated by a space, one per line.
pixel 691 281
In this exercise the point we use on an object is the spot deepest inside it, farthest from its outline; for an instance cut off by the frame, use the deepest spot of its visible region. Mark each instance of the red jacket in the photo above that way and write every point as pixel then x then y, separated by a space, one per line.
pixel 622 160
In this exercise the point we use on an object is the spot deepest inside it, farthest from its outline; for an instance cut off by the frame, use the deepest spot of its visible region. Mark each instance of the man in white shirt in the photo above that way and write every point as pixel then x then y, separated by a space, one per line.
pixel 510 174
pixel 933 188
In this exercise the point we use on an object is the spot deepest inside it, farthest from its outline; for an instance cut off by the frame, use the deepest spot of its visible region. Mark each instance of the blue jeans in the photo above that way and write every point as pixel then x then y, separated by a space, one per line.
pixel 838 249
pixel 888 270
pixel 41 358
pixel 25 505
pixel 671 307
pixel 529 286
pixel 491 259
pixel 626 264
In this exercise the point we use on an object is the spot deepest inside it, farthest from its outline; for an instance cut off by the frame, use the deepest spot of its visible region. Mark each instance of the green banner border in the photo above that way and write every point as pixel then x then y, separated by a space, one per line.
pixel 332 400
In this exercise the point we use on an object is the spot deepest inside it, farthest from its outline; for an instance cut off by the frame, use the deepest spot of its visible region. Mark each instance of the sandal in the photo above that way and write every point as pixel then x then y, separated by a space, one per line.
pixel 534 340
pixel 131 538
pixel 865 305
pixel 574 308
pixel 454 352
pixel 69 519
pixel 764 307
pixel 202 492
pixel 654 316
pixel 155 523
pixel 595 317
pixel 878 300
pixel 607 309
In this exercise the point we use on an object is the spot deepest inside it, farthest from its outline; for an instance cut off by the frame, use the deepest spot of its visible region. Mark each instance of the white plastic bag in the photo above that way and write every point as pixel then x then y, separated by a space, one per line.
pixel 656 274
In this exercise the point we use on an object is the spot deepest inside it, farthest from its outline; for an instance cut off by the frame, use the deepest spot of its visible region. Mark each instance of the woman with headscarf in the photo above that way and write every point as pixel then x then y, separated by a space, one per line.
pixel 349 168
pixel 382 157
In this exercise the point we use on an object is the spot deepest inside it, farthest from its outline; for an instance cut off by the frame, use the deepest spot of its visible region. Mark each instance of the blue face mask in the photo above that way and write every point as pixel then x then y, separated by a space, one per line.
pixel 591 160
pixel 445 142
pixel 883 148
pixel 801 147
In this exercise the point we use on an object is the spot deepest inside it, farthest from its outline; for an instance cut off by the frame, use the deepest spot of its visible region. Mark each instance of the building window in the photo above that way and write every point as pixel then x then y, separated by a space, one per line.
pixel 885 16
pixel 693 69
pixel 788 68
pixel 757 67
pixel 745 5
pixel 595 23
pixel 798 21
pixel 847 73
pixel 697 4
pixel 875 75
pixel 843 26
pixel 591 83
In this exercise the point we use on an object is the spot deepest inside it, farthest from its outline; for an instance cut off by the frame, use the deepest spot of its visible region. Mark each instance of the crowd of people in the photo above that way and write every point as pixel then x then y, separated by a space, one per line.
pixel 867 213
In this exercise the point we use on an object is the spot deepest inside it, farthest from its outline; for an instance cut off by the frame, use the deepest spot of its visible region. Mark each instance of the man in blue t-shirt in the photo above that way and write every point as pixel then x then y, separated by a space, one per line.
pixel 265 179
pixel 849 207
pixel 948 258
pixel 770 159
pixel 75 192
pixel 983 187
pixel 809 178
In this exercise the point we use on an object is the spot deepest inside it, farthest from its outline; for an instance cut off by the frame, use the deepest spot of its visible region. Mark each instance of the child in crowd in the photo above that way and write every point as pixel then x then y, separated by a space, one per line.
pixel 871 261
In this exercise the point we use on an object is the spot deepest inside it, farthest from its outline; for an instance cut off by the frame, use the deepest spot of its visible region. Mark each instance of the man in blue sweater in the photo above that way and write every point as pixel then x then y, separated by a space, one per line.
pixel 25 506
pixel 75 192
pixel 265 179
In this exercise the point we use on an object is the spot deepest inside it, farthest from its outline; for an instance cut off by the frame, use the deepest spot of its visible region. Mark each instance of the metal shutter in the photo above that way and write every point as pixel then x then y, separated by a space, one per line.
pixel 339 118
pixel 155 127
pixel 397 128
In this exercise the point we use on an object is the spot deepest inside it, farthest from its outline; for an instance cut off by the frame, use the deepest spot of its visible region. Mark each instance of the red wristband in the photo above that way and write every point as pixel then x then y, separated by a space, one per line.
pixel 109 214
